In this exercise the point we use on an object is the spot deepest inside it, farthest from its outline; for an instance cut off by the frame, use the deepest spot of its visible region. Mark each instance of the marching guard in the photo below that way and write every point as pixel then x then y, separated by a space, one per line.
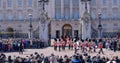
pixel 63 45
pixel 100 46
pixel 55 45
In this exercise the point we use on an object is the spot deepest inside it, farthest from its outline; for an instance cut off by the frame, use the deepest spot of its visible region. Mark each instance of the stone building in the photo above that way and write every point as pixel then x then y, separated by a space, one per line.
pixel 65 18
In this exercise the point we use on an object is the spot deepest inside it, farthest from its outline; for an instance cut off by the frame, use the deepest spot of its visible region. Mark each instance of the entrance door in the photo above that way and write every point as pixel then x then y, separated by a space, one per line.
pixel 67 30
pixel 10 32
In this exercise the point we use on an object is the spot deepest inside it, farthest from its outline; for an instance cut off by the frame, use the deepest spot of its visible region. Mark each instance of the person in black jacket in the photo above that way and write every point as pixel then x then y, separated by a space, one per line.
pixel 20 45
pixel 115 46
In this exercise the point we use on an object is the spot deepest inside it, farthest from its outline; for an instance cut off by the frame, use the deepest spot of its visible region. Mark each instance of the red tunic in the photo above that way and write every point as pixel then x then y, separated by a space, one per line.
pixel 86 44
pixel 55 43
pixel 63 43
pixel 100 46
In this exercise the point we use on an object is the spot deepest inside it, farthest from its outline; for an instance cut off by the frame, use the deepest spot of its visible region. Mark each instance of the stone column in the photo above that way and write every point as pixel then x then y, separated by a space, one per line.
pixel 43 29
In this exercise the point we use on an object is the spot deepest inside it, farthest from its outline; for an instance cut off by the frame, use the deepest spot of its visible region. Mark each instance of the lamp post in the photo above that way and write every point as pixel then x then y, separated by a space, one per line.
pixel 30 25
pixel 99 26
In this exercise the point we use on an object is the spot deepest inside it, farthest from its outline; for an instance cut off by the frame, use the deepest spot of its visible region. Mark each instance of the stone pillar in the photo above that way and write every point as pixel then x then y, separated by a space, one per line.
pixel 43 29
pixel 86 26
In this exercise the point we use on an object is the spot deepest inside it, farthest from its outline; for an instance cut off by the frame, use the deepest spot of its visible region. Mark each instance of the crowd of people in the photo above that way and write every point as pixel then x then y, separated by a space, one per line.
pixel 12 45
pixel 88 45
pixel 75 58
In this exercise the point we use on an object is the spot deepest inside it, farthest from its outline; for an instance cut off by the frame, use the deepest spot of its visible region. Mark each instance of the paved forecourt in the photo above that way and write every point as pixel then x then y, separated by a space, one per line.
pixel 47 51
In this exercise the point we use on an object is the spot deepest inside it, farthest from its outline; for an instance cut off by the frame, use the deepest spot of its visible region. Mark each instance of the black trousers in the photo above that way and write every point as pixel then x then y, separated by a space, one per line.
pixel 101 51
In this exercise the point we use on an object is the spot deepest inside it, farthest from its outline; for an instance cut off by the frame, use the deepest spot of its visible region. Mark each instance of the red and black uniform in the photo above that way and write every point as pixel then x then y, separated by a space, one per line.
pixel 100 46
pixel 55 45
pixel 60 45
pixel 63 45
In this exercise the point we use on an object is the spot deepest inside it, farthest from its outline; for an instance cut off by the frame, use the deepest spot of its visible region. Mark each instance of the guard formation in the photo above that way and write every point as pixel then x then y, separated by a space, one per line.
pixel 88 45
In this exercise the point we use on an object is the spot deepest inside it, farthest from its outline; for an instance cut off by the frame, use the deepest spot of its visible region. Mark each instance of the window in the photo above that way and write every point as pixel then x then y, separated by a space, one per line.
pixel 10 16
pixel 9 3
pixel 58 2
pixel 115 2
pixel 76 14
pixel 57 13
pixel 20 17
pixel 67 14
pixel 0 3
pixel 104 16
pixel 75 2
pixel 115 13
pixel 19 2
pixel 93 15
pixel 104 2
pixel 93 2
pixel 67 2
pixel 30 3
pixel 1 17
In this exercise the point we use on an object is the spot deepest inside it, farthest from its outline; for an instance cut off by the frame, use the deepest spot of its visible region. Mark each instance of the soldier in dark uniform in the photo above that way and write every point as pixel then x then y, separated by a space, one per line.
pixel 20 45
pixel 115 46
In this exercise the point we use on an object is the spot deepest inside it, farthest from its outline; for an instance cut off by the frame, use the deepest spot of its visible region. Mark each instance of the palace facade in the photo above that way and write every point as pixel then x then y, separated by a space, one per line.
pixel 65 18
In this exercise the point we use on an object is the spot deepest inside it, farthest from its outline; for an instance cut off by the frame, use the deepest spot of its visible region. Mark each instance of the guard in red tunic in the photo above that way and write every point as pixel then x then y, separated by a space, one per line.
pixel 100 46
pixel 82 46
pixel 75 47
pixel 71 45
pixel 60 45
pixel 63 45
pixel 55 45
pixel 93 45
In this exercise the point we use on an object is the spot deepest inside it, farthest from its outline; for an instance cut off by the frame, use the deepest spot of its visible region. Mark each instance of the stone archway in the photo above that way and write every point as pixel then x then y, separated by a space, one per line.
pixel 67 30
pixel 10 32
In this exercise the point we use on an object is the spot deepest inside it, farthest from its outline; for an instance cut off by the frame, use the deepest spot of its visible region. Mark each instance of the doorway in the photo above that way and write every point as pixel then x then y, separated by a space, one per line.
pixel 10 32
pixel 67 30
